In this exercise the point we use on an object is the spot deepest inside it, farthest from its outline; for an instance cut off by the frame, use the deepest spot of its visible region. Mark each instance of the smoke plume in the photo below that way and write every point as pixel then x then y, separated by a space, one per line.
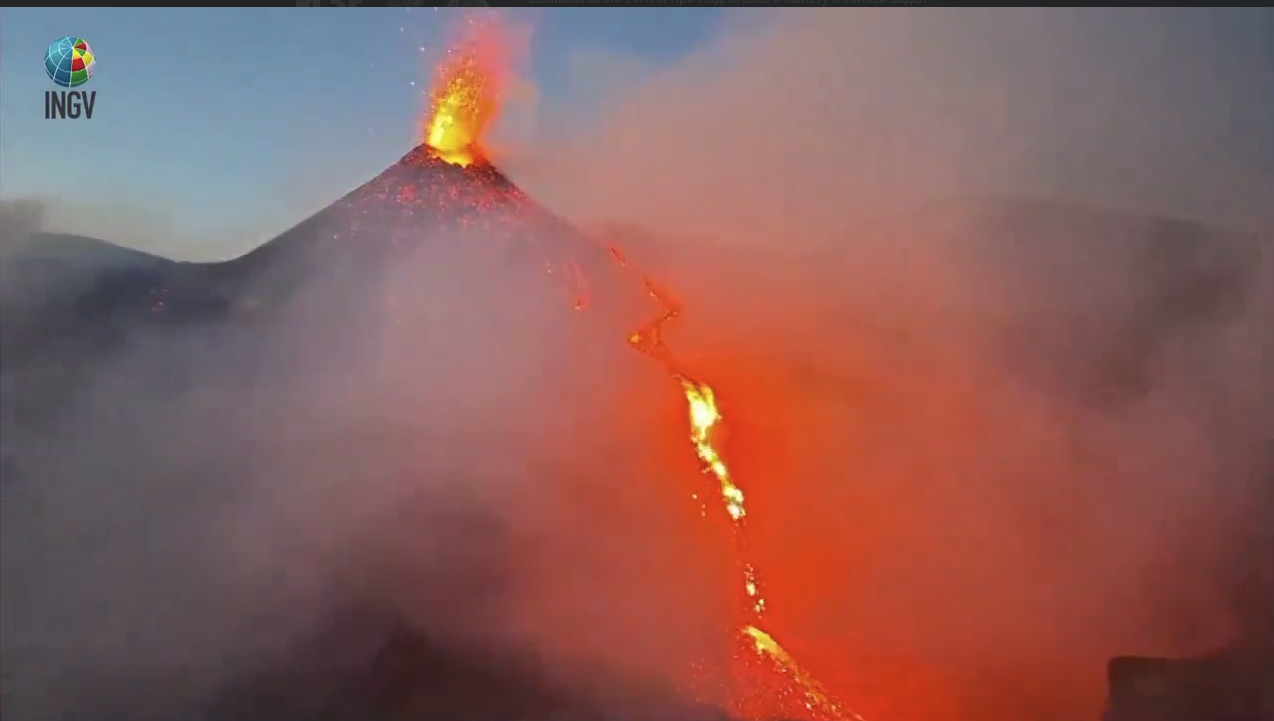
pixel 998 421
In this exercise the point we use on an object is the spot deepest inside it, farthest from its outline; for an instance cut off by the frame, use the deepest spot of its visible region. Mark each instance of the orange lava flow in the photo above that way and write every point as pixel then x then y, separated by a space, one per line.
pixel 768 681
pixel 800 693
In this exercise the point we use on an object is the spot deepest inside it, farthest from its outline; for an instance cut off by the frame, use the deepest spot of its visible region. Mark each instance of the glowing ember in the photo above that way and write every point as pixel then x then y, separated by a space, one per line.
pixel 466 93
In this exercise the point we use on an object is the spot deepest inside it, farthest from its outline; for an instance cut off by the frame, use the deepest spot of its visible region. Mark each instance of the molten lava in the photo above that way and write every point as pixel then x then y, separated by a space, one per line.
pixel 466 94
pixel 801 692
pixel 768 681
pixel 459 113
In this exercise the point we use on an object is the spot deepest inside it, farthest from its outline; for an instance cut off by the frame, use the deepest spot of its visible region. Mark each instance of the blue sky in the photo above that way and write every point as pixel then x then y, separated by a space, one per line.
pixel 230 124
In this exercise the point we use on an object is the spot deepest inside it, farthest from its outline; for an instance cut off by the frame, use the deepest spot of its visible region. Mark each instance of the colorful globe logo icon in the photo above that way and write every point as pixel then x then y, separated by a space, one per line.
pixel 69 62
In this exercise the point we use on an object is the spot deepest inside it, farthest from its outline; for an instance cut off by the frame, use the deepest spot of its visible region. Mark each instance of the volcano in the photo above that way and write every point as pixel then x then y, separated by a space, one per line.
pixel 366 657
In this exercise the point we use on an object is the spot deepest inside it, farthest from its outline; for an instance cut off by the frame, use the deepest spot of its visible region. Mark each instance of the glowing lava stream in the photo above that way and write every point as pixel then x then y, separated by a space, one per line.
pixel 464 99
pixel 704 416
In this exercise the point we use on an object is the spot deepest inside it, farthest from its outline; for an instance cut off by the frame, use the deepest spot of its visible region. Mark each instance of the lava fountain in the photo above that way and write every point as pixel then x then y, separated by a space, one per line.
pixel 466 92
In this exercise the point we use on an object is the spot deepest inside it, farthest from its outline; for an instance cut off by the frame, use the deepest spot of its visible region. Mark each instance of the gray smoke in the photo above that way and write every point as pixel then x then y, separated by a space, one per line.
pixel 997 418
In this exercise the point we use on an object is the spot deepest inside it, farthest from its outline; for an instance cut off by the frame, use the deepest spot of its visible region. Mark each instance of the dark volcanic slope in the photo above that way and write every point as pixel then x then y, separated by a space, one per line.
pixel 59 283
pixel 68 302
pixel 417 197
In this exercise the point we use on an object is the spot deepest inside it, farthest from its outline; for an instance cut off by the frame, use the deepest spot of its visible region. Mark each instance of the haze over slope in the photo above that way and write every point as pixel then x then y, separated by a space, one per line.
pixel 997 440
pixel 412 419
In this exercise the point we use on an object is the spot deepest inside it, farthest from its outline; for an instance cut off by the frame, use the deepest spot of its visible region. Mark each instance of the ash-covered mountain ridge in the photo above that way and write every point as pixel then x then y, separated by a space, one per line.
pixel 98 293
